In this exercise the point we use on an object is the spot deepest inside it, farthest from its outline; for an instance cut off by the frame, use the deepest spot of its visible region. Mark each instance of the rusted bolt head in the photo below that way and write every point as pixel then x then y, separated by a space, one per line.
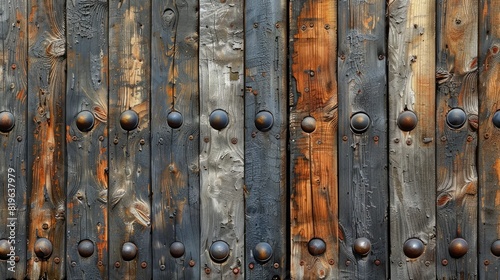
pixel 407 121
pixel 316 246
pixel 43 248
pixel 444 262
pixel 264 120
pixel 276 265
pixel 362 246
pixel 144 264
pixel 4 249
pixel 219 251
pixel 117 264
pixel 6 121
pixel 409 141
pixel 456 118
pixel 347 263
pixel 84 121
pixel 331 262
pixel 192 263
pixel 262 252
pixel 458 247
pixel 45 226
pixel 73 264
pixel 486 262
pixel 174 119
pixel 496 119
pixel 251 265
pixel 427 263
pixel 495 248
pixel 413 248
pixel 86 248
pixel 377 262
pixel 129 251
pixel 234 140
pixel 344 138
pixel 129 120
pixel 236 270
pixel 308 124
pixel 219 119
pixel 57 260
pixel 207 270
pixel 302 263
pixel 360 122
pixel 17 258
pixel 13 66
pixel 177 249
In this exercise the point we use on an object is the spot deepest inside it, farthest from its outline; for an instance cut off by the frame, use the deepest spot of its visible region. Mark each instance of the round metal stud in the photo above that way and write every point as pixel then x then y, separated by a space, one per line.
pixel 308 124
pixel 264 120
pixel 262 252
pixel 43 248
pixel 6 121
pixel 456 118
pixel 174 119
pixel 458 247
pixel 219 251
pixel 316 246
pixel 4 249
pixel 177 249
pixel 362 246
pixel 407 121
pixel 360 122
pixel 495 248
pixel 413 248
pixel 496 119
pixel 85 121
pixel 129 120
pixel 86 248
pixel 219 119
pixel 129 251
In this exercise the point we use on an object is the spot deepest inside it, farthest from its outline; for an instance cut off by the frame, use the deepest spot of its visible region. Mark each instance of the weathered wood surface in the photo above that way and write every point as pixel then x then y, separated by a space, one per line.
pixel 46 138
pixel 87 151
pixel 265 149
pixel 175 145
pixel 362 157
pixel 13 166
pixel 221 151
pixel 129 151
pixel 456 77
pixel 412 170
pixel 488 135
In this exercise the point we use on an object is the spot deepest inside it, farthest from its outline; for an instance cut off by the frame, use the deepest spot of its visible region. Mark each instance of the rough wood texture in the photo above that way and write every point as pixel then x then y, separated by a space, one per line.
pixel 221 152
pixel 488 135
pixel 456 76
pixel 13 167
pixel 265 151
pixel 87 152
pixel 313 156
pixel 175 168
pixel 129 151
pixel 363 157
pixel 412 168
pixel 46 136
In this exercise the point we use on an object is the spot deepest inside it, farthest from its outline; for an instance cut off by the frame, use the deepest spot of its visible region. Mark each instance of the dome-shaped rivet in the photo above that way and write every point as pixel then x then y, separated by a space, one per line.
pixel 360 122
pixel 4 249
pixel 219 119
pixel 219 251
pixel 496 119
pixel 308 124
pixel 85 121
pixel 456 118
pixel 495 248
pixel 129 120
pixel 129 251
pixel 407 121
pixel 413 248
pixel 458 247
pixel 316 247
pixel 177 249
pixel 174 119
pixel 262 252
pixel 43 248
pixel 6 121
pixel 362 246
pixel 86 248
pixel 264 121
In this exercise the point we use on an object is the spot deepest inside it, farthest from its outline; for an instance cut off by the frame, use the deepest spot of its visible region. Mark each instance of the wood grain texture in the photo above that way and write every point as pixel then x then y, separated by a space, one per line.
pixel 363 197
pixel 488 135
pixel 46 135
pixel 456 76
pixel 13 166
pixel 129 151
pixel 87 152
pixel 265 151
pixel 412 168
pixel 175 168
pixel 313 156
pixel 221 152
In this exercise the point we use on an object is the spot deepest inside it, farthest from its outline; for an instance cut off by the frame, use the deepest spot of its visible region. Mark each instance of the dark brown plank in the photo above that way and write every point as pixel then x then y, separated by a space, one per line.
pixel 87 139
pixel 456 76
pixel 13 112
pixel 221 151
pixel 362 156
pixel 129 209
pixel 412 185
pixel 175 140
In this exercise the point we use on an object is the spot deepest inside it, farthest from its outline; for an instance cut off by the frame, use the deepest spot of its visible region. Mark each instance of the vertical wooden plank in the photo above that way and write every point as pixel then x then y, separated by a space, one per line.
pixel 488 135
pixel 221 146
pixel 456 125
pixel 13 111
pixel 362 151
pixel 46 138
pixel 129 146
pixel 313 138
pixel 175 140
pixel 87 139
pixel 411 139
